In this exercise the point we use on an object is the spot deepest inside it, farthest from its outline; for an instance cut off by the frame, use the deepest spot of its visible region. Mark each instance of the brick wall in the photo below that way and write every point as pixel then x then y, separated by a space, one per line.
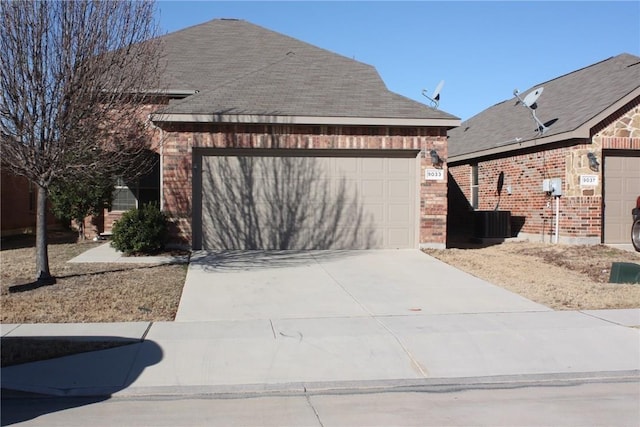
pixel 103 223
pixel 18 206
pixel 179 140
pixel 531 209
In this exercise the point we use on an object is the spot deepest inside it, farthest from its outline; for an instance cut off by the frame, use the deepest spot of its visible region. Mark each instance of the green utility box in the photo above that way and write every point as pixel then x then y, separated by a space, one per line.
pixel 624 272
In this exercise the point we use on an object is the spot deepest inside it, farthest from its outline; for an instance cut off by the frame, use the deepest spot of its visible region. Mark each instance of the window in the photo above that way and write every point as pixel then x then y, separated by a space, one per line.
pixel 129 195
pixel 474 186
pixel 124 197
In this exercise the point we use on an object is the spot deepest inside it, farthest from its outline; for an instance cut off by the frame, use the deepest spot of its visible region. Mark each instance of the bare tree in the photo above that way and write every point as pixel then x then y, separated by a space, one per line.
pixel 74 76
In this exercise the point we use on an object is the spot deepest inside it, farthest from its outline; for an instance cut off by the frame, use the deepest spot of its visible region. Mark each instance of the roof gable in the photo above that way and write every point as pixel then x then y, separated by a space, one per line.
pixel 568 106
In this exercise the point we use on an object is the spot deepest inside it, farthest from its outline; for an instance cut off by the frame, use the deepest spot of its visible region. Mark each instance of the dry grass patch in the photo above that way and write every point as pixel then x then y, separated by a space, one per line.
pixel 83 293
pixel 86 292
pixel 16 351
pixel 563 277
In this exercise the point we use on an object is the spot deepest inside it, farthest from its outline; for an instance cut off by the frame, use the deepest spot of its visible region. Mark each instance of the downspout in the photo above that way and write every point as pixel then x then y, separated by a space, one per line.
pixel 557 219
pixel 162 208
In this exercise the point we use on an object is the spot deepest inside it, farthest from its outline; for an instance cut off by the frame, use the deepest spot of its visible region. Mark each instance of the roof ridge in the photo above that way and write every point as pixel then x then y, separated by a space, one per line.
pixel 201 24
pixel 274 32
pixel 585 68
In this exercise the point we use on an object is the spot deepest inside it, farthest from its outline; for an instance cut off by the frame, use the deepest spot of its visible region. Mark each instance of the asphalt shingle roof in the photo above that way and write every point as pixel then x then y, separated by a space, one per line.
pixel 241 68
pixel 567 103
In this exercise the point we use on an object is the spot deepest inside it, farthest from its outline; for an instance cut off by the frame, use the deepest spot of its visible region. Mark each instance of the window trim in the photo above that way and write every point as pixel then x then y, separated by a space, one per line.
pixel 475 187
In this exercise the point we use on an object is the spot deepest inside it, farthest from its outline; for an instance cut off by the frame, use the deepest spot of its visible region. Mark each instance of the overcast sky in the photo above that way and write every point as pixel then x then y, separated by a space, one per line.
pixel 482 50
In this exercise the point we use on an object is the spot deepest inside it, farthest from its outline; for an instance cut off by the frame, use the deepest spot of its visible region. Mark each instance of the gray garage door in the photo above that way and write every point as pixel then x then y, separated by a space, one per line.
pixel 622 187
pixel 308 202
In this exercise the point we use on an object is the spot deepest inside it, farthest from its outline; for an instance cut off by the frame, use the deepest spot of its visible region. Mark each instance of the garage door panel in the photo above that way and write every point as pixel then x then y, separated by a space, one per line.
pixel 615 187
pixel 344 165
pixel 622 187
pixel 399 188
pixel 398 214
pixel 375 166
pixel 398 236
pixel 630 185
pixel 308 203
pixel 373 188
pixel 399 168
pixel 376 213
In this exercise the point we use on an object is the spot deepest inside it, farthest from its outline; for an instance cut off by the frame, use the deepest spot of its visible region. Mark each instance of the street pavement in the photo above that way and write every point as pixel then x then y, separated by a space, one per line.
pixel 298 323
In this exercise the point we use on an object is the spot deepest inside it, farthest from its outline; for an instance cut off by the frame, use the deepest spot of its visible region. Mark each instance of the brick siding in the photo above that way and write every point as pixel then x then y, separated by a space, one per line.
pixel 180 139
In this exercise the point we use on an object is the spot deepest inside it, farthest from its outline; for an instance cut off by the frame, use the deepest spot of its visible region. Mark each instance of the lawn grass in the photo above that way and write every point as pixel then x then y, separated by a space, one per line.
pixel 86 292
pixel 94 292
pixel 562 277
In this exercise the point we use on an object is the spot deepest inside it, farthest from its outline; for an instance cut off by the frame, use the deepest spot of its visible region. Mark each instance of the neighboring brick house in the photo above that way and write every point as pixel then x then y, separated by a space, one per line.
pixel 267 142
pixel 18 206
pixel 498 160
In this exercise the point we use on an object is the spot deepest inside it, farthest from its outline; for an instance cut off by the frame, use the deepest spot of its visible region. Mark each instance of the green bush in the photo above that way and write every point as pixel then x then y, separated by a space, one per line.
pixel 140 231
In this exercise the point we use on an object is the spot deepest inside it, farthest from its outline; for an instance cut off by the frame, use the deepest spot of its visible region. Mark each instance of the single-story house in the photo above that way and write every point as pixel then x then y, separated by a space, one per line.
pixel 267 142
pixel 558 162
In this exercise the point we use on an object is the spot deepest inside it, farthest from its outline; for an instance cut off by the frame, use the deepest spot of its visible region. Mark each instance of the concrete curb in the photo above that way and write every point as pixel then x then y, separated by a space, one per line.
pixel 429 385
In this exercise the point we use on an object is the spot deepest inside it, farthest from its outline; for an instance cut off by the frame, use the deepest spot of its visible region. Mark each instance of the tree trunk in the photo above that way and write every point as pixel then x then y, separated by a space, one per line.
pixel 81 232
pixel 43 275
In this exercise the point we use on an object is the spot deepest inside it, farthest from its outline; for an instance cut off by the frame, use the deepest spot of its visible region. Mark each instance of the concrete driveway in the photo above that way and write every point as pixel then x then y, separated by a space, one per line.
pixel 243 285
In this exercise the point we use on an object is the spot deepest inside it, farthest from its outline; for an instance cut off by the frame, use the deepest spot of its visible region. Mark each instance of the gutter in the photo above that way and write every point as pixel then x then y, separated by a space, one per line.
pixel 302 120
pixel 576 134
pixel 181 93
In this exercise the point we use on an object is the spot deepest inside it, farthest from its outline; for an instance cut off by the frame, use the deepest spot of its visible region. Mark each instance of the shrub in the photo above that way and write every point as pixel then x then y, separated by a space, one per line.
pixel 140 231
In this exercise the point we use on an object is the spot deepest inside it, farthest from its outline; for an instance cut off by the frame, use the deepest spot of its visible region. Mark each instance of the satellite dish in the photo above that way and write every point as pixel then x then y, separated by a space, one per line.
pixel 529 102
pixel 435 98
pixel 532 97
pixel 436 93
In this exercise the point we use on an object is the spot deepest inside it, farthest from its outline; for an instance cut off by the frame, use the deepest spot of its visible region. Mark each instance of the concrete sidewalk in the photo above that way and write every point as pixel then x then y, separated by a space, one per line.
pixel 106 253
pixel 306 355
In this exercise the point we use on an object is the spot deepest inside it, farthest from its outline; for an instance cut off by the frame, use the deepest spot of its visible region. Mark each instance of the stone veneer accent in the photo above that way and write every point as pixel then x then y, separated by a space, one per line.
pixel 180 139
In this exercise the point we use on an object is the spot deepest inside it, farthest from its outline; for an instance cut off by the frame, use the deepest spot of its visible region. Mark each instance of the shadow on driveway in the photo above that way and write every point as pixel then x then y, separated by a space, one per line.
pixel 244 260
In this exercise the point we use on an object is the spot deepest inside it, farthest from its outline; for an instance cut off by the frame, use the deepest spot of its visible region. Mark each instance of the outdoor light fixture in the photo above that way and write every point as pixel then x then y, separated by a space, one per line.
pixel 593 162
pixel 436 160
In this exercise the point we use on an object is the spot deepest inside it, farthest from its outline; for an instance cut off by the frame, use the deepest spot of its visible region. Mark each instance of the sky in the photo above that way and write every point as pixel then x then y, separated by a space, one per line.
pixel 482 50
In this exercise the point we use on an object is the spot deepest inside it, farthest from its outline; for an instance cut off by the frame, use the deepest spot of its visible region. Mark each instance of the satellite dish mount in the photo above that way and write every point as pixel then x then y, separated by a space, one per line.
pixel 435 98
pixel 530 102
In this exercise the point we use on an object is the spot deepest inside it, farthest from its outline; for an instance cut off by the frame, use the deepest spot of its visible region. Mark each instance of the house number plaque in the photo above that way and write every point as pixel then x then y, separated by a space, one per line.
pixel 588 180
pixel 434 174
